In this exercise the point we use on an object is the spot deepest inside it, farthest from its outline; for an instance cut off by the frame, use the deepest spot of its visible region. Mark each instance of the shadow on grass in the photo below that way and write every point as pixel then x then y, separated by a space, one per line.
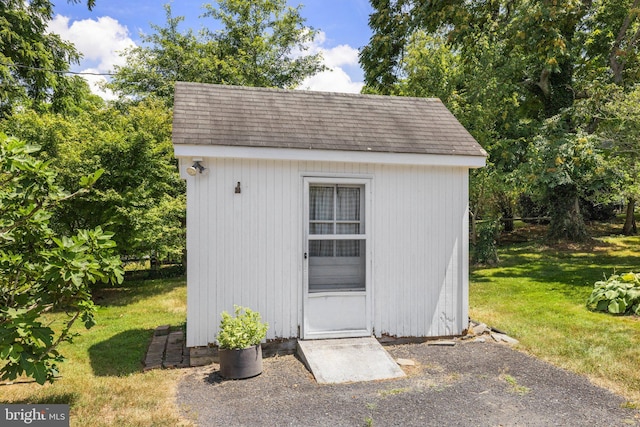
pixel 120 355
pixel 133 291
pixel 574 267
pixel 53 399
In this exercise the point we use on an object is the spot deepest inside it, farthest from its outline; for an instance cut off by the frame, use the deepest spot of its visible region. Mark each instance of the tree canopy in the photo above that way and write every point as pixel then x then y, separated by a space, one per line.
pixel 261 43
pixel 525 77
pixel 140 196
pixel 33 61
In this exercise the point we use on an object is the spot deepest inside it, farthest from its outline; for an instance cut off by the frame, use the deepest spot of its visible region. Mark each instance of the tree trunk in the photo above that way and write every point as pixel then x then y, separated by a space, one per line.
pixel 630 228
pixel 508 223
pixel 566 219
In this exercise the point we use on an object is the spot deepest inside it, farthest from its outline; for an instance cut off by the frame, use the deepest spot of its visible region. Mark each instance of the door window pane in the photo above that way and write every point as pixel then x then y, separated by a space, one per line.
pixel 348 228
pixel 348 248
pixel 340 273
pixel 321 248
pixel 348 203
pixel 321 228
pixel 335 210
pixel 321 203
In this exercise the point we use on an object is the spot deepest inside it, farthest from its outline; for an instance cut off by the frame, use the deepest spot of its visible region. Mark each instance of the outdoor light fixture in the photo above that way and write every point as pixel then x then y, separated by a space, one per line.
pixel 195 168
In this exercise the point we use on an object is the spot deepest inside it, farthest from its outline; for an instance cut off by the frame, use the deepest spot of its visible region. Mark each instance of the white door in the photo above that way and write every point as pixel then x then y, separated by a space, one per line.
pixel 337 288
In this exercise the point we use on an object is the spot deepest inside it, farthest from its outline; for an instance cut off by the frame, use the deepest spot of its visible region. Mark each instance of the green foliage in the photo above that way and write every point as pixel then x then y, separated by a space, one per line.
pixel 485 250
pixel 619 294
pixel 140 195
pixel 507 69
pixel 29 54
pixel 380 59
pixel 261 43
pixel 566 166
pixel 40 270
pixel 243 330
pixel 619 129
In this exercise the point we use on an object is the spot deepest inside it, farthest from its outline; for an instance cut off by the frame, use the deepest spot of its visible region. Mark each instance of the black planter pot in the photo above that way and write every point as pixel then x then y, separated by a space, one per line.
pixel 243 363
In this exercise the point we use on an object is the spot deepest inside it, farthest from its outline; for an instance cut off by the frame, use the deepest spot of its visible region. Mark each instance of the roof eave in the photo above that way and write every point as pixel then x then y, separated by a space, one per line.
pixel 269 153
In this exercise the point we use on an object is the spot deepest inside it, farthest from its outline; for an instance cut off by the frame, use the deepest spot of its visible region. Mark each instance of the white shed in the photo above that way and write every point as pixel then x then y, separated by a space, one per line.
pixel 333 215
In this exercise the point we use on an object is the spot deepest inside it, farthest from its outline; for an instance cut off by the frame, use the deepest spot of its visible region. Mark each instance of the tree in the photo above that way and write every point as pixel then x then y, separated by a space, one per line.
pixel 530 62
pixel 140 195
pixel 42 271
pixel 380 59
pixel 564 164
pixel 31 60
pixel 620 129
pixel 262 43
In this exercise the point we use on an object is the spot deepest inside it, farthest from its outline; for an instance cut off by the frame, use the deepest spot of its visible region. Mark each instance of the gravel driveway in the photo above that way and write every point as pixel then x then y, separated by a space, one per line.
pixel 469 384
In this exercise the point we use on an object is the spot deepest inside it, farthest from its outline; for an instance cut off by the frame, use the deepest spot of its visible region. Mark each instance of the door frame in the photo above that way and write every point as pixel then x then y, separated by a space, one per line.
pixel 363 299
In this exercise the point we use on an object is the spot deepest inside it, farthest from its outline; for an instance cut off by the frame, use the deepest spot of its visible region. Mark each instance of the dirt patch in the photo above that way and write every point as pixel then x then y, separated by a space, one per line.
pixel 471 383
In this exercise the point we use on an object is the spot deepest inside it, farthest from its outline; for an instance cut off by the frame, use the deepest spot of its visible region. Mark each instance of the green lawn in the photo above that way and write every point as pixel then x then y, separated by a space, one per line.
pixel 102 378
pixel 537 294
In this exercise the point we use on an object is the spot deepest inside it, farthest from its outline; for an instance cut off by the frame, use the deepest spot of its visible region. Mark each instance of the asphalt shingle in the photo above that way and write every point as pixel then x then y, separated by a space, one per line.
pixel 206 114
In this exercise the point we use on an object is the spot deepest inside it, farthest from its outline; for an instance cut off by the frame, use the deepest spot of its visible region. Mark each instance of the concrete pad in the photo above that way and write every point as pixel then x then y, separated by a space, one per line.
pixel 348 360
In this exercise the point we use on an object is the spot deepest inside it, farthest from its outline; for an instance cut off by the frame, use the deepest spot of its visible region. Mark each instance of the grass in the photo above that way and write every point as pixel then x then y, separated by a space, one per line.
pixel 514 386
pixel 537 294
pixel 102 378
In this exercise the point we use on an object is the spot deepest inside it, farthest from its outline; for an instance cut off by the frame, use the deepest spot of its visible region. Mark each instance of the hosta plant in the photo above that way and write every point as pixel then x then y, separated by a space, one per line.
pixel 619 294
pixel 243 330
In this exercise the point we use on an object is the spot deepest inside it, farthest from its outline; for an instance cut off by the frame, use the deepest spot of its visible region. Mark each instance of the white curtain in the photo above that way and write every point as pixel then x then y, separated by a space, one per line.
pixel 334 210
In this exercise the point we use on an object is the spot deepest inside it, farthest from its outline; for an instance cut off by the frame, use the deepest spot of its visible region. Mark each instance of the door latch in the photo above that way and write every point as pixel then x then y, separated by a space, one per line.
pixel 305 255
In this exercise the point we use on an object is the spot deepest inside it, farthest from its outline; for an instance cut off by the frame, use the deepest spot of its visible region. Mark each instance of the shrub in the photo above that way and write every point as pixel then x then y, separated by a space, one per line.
pixel 619 294
pixel 485 250
pixel 243 330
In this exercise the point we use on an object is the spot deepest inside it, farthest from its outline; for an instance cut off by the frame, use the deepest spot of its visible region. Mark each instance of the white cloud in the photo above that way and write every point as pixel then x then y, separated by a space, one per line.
pixel 336 58
pixel 335 80
pixel 100 41
pixel 96 83
pixel 340 55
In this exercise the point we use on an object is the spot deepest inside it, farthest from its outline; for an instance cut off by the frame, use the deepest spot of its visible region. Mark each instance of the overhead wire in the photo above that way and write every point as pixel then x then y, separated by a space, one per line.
pixel 79 73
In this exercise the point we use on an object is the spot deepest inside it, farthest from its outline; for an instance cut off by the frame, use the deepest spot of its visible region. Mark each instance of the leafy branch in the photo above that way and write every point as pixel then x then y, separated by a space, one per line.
pixel 41 271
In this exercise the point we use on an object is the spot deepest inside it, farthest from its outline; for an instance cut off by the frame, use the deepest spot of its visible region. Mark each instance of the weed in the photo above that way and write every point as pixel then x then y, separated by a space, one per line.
pixel 515 387
pixel 368 421
pixel 393 391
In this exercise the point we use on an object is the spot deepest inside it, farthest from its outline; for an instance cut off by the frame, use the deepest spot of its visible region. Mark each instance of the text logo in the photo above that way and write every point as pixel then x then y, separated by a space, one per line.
pixel 34 415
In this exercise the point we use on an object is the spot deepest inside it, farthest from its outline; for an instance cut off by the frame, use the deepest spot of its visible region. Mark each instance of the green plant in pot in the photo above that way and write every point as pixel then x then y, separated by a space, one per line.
pixel 239 340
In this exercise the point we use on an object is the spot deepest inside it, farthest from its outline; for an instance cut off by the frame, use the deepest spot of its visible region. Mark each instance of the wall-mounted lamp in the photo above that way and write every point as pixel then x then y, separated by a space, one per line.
pixel 196 167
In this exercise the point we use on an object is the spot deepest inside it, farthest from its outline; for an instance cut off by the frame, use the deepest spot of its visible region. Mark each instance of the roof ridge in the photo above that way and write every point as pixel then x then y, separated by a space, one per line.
pixel 309 92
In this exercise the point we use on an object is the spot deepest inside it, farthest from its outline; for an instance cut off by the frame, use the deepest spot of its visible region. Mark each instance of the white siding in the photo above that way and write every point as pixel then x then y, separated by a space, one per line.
pixel 246 248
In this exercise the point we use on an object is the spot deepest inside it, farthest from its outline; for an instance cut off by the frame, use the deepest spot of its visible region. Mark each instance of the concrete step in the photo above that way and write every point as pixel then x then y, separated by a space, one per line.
pixel 348 360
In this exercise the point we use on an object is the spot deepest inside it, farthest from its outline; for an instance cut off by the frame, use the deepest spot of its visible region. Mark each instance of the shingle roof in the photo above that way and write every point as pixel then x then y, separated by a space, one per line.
pixel 206 114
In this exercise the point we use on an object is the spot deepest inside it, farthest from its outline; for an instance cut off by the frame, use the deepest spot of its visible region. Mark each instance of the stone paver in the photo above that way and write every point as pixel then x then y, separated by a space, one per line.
pixel 166 350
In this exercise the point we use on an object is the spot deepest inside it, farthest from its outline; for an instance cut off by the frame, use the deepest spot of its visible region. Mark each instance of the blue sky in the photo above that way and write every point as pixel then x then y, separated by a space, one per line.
pixel 114 25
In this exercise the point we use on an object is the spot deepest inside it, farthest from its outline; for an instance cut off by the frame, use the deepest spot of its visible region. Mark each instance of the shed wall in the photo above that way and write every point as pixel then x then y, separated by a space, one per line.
pixel 247 248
